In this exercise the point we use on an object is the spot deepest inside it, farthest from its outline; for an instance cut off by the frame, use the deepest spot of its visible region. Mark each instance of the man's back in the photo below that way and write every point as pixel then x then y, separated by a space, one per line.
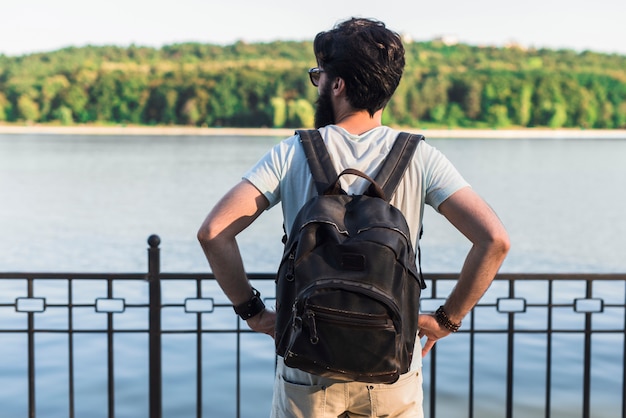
pixel 283 174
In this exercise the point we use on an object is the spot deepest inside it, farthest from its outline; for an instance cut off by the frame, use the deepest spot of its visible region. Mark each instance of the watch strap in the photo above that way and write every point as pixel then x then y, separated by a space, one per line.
pixel 252 307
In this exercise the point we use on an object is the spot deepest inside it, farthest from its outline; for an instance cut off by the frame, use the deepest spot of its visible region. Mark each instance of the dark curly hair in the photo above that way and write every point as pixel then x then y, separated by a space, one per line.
pixel 367 56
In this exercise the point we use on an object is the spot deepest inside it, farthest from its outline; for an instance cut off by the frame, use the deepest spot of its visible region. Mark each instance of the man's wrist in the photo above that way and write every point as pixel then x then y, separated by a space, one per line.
pixel 252 307
pixel 444 320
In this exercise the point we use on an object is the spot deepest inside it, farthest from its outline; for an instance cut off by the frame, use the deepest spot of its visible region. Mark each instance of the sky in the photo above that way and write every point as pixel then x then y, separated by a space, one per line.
pixel 28 26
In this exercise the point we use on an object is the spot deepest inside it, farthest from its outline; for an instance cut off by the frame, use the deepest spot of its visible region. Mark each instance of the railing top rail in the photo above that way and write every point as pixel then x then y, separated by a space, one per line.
pixel 72 275
pixel 272 276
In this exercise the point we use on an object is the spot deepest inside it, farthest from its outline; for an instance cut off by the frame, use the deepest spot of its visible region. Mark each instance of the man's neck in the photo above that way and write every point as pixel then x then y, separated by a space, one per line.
pixel 358 122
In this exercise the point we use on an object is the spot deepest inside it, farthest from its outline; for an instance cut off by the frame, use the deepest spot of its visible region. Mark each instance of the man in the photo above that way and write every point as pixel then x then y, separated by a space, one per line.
pixel 360 63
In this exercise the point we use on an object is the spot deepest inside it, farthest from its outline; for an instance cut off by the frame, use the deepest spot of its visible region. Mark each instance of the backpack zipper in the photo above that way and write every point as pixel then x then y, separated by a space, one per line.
pixel 353 319
pixel 369 290
pixel 290 266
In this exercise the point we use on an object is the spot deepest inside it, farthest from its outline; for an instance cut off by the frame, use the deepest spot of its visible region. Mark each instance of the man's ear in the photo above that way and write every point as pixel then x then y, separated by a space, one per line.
pixel 339 86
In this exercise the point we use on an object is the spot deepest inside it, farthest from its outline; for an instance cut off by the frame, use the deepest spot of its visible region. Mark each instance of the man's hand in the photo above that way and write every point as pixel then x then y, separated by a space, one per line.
pixel 265 322
pixel 469 213
pixel 430 328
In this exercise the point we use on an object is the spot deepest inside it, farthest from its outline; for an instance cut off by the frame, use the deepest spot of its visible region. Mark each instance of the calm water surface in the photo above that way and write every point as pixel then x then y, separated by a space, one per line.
pixel 88 204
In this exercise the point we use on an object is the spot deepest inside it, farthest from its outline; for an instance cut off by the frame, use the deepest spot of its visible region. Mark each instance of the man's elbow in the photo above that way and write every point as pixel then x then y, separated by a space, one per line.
pixel 500 244
pixel 206 235
pixel 202 236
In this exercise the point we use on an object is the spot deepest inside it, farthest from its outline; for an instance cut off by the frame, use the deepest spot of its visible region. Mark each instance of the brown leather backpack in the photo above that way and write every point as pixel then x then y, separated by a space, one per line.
pixel 348 286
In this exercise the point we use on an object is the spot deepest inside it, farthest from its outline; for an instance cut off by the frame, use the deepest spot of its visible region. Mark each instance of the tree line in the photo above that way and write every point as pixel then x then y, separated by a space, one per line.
pixel 266 85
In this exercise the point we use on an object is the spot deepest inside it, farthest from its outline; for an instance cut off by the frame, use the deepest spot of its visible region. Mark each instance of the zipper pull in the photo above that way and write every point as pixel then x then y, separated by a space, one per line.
pixel 290 266
pixel 309 316
pixel 296 323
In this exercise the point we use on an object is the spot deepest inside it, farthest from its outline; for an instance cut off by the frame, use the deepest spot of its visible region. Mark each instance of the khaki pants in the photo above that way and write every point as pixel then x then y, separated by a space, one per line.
pixel 298 394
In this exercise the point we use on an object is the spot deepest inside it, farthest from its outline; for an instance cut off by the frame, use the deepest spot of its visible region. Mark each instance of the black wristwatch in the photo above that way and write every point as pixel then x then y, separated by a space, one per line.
pixel 252 307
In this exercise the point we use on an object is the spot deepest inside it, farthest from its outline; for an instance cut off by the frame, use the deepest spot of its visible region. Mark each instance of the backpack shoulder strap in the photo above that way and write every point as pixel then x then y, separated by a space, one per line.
pixel 318 158
pixel 396 162
pixel 391 173
pixel 388 177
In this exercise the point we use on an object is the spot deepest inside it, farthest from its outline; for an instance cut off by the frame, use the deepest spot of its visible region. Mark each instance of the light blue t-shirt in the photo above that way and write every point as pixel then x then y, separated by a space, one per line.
pixel 283 175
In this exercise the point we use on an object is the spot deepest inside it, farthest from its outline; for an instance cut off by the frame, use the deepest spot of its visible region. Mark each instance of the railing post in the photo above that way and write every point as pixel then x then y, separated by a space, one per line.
pixel 154 270
pixel 32 405
pixel 587 358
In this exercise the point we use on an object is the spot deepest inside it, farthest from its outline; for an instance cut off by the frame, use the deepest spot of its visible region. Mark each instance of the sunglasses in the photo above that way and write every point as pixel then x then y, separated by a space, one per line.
pixel 314 74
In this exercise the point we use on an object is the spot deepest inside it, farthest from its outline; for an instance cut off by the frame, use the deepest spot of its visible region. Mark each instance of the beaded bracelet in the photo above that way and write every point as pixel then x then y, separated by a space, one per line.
pixel 442 319
pixel 252 307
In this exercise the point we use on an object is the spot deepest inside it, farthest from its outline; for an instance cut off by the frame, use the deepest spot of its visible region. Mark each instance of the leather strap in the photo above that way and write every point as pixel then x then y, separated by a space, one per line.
pixel 318 158
pixel 396 162
pixel 252 307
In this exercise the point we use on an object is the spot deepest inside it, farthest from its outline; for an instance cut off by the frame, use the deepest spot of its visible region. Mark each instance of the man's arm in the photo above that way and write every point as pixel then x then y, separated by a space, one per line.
pixel 232 214
pixel 471 215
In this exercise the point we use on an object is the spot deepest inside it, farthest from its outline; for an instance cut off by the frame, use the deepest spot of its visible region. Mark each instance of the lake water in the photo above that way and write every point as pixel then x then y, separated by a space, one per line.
pixel 88 203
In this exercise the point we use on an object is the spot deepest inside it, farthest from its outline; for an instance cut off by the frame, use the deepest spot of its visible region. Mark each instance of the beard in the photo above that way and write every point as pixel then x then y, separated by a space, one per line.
pixel 324 112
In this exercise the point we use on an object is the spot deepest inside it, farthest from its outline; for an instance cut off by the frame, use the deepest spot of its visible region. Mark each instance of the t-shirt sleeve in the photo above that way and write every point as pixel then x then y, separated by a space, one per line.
pixel 442 179
pixel 267 173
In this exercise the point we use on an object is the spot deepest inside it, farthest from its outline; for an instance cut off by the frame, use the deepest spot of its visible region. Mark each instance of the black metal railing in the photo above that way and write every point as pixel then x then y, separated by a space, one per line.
pixel 544 306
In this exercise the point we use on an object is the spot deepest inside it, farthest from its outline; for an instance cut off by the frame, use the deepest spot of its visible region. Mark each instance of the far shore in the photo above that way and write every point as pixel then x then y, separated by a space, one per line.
pixel 203 131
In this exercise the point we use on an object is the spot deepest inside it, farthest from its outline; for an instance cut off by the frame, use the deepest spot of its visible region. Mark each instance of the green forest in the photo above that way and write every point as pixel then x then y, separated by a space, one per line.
pixel 266 85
